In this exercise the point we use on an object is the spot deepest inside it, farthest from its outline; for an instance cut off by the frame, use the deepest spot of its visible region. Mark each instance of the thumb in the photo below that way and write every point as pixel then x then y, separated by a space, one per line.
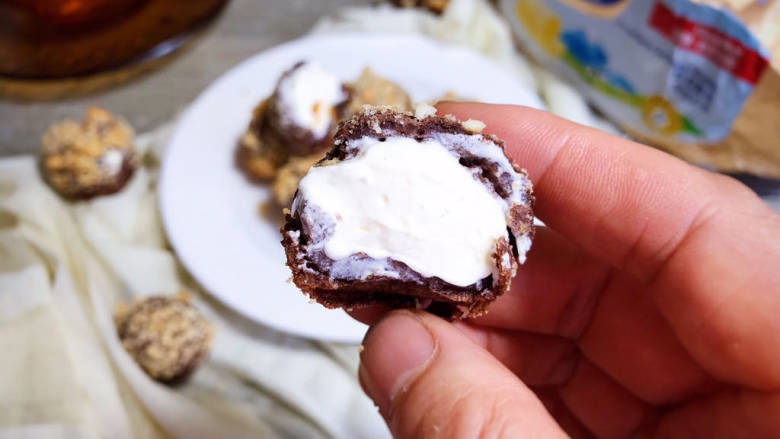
pixel 430 380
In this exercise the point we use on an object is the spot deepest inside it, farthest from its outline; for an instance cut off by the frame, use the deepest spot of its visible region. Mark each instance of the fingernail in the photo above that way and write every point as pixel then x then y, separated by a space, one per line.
pixel 395 351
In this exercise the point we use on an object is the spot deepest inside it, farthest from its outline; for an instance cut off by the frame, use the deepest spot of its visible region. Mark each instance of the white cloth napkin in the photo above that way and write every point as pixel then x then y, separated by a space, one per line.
pixel 64 268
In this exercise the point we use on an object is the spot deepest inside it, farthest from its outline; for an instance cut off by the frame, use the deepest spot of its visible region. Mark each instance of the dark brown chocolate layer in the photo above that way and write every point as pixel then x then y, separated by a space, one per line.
pixel 311 267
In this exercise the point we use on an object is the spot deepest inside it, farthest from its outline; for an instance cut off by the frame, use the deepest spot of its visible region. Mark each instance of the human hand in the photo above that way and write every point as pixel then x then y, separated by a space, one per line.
pixel 649 307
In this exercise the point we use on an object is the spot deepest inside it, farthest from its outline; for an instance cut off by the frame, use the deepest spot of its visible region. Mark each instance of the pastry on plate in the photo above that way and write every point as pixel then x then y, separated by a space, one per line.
pixel 165 335
pixel 410 211
pixel 305 108
pixel 93 157
pixel 294 127
pixel 298 119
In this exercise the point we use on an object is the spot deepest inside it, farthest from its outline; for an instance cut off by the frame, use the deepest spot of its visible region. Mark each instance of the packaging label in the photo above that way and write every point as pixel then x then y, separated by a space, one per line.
pixel 666 68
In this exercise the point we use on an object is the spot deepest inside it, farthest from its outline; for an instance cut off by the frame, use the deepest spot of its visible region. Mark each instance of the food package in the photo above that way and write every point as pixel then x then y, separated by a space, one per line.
pixel 699 79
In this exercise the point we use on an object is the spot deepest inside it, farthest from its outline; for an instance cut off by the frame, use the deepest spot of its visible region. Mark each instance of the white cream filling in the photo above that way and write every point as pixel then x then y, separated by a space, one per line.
pixel 309 94
pixel 111 161
pixel 412 202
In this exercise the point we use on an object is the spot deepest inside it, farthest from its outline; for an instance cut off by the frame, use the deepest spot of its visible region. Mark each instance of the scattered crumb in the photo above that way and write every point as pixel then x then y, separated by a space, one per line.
pixel 264 208
pixel 287 177
pixel 450 96
pixel 423 110
pixel 374 109
pixel 474 126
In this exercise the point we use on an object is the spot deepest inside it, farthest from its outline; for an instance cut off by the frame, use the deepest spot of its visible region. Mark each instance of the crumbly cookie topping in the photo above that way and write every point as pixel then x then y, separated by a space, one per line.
pixel 79 155
pixel 166 336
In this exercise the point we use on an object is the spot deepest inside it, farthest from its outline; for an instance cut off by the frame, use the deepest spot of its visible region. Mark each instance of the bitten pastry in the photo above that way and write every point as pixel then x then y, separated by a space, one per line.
pixel 165 335
pixel 86 159
pixel 410 211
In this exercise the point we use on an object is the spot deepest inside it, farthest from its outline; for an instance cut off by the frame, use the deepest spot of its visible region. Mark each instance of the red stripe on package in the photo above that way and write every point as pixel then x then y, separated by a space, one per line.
pixel 724 51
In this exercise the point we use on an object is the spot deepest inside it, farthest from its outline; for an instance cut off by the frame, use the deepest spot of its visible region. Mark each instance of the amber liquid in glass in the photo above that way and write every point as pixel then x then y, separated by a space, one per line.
pixel 65 38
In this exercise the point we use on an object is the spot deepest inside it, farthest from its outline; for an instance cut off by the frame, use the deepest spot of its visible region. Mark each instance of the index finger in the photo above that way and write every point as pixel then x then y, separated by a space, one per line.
pixel 706 246
pixel 623 201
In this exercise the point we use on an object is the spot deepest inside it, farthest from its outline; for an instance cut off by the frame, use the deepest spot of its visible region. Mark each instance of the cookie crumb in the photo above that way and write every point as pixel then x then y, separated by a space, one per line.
pixel 423 110
pixel 474 126
pixel 287 177
pixel 372 89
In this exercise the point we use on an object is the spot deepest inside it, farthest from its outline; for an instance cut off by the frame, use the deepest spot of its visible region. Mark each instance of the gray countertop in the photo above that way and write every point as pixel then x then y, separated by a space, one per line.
pixel 244 28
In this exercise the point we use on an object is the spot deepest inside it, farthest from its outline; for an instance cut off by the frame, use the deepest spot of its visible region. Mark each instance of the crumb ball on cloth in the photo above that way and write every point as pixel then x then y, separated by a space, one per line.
pixel 82 160
pixel 165 335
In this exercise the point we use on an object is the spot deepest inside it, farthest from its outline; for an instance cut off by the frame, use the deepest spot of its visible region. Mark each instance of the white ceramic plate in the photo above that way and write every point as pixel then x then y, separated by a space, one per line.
pixel 210 211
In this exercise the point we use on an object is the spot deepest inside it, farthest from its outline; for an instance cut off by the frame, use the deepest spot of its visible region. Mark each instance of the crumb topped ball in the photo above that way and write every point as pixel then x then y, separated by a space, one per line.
pixel 410 210
pixel 286 182
pixel 165 335
pixel 376 91
pixel 81 160
pixel 306 106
